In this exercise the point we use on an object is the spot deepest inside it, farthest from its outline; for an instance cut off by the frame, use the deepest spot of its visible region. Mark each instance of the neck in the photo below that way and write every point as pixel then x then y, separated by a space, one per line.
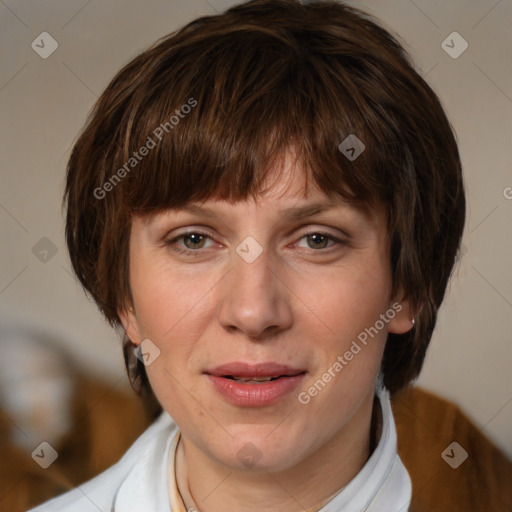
pixel 207 486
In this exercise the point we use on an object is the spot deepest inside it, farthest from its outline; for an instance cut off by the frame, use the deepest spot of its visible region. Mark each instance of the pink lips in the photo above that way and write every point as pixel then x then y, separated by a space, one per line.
pixel 227 380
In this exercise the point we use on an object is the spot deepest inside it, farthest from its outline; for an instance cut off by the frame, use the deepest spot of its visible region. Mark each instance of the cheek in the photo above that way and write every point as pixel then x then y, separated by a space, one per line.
pixel 167 300
pixel 349 335
pixel 169 313
pixel 347 301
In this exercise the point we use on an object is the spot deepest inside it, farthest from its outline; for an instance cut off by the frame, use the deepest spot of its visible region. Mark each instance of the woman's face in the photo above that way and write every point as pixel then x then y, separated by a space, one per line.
pixel 268 289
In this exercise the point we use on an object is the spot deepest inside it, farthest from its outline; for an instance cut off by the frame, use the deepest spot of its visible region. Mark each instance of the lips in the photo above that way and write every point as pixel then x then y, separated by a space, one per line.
pixel 257 372
pixel 254 385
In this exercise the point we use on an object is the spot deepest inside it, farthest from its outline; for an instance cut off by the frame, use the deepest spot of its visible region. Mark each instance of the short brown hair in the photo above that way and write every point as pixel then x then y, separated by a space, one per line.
pixel 257 79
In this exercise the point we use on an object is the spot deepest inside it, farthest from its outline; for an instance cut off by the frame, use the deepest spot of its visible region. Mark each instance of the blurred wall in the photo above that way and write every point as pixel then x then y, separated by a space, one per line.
pixel 44 103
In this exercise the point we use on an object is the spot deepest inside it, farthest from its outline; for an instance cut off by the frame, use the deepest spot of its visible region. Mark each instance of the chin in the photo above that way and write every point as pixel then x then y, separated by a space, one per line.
pixel 256 451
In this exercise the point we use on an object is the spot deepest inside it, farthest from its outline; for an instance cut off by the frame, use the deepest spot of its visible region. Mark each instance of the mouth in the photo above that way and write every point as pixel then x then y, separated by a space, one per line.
pixel 261 372
pixel 254 385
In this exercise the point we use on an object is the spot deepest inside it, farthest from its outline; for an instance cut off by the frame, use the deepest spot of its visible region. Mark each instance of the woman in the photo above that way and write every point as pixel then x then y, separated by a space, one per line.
pixel 269 202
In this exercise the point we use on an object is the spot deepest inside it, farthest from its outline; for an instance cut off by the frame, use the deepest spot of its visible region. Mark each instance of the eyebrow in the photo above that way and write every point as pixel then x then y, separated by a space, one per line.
pixel 292 213
pixel 309 210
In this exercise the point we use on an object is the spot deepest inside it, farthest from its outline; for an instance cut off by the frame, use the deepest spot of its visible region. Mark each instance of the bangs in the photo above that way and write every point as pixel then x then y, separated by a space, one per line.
pixel 215 127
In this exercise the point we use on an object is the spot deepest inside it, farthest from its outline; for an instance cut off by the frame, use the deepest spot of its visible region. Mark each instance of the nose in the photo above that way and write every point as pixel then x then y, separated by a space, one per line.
pixel 255 298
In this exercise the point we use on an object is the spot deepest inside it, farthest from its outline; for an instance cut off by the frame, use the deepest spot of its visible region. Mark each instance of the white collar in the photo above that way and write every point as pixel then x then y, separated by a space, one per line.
pixel 382 484
pixel 146 486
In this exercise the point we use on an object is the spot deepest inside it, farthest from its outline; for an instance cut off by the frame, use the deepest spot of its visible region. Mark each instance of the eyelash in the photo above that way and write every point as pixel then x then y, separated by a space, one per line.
pixel 190 252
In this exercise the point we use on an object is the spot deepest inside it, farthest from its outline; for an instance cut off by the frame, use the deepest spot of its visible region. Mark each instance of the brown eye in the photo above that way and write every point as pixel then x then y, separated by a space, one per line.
pixel 196 240
pixel 189 243
pixel 318 240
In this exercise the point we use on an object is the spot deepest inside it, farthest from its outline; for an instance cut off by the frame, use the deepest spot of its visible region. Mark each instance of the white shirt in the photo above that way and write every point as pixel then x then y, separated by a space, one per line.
pixel 139 481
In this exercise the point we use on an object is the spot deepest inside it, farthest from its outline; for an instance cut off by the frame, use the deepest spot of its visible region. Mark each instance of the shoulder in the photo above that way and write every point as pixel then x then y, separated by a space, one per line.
pixel 99 493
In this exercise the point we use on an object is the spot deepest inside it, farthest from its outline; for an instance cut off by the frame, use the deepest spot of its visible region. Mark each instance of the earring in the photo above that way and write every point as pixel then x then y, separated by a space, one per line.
pixel 413 321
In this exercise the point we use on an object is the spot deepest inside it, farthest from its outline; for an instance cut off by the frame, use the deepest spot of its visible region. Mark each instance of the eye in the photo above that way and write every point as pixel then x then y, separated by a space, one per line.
pixel 192 240
pixel 317 240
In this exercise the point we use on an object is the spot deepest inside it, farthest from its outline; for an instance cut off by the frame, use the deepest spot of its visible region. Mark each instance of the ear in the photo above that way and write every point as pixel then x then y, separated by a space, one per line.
pixel 129 320
pixel 403 321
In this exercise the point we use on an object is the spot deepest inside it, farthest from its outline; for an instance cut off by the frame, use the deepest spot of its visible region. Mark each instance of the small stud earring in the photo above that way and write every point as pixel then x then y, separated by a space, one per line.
pixel 413 321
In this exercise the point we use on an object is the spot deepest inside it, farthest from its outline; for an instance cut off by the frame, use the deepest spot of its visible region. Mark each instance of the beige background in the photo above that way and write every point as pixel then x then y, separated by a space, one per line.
pixel 44 103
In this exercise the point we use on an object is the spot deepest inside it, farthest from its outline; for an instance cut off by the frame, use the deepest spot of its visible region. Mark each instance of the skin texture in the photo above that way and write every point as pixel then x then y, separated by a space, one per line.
pixel 301 302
